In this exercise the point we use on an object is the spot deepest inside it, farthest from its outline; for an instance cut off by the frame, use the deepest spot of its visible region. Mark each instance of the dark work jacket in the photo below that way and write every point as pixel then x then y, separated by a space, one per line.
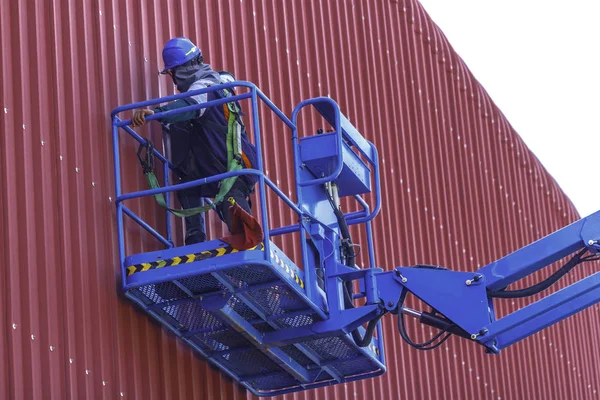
pixel 199 148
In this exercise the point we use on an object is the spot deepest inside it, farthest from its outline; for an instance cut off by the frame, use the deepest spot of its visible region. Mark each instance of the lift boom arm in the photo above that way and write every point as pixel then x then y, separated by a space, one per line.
pixel 466 300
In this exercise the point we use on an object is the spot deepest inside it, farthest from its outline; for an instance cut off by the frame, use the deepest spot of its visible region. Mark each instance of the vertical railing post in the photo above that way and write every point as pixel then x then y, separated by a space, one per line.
pixel 168 226
pixel 309 275
pixel 381 343
pixel 261 178
pixel 369 231
pixel 117 172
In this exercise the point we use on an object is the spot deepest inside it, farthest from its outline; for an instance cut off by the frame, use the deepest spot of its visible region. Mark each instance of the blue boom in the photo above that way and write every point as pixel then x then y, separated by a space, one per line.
pixel 278 325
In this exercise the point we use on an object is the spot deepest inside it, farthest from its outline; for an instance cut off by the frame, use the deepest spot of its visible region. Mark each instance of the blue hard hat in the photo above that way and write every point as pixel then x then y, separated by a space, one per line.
pixel 178 51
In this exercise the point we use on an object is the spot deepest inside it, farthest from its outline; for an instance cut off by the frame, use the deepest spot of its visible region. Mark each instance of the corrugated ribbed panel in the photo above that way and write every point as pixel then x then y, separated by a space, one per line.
pixel 460 189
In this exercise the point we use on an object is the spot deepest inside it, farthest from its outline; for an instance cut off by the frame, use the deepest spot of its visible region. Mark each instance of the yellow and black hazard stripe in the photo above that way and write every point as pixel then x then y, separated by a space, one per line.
pixel 186 259
pixel 279 261
pixel 374 349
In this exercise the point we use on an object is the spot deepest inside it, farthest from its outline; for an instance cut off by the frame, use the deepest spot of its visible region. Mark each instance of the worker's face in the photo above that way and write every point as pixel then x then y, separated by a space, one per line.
pixel 172 75
pixel 170 72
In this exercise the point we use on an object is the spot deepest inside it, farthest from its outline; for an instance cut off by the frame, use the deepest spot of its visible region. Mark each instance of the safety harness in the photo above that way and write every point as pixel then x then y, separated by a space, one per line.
pixel 233 140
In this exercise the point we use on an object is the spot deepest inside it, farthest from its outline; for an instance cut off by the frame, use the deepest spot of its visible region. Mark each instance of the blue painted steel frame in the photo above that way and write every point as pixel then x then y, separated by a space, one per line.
pixel 342 133
pixel 343 320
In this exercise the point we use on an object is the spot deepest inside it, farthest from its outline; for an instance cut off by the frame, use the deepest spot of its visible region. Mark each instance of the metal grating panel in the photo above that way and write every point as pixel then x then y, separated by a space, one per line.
pixel 201 284
pixel 242 309
pixel 349 368
pixel 298 356
pixel 250 274
pixel 162 292
pixel 226 339
pixel 331 348
pixel 298 320
pixel 191 316
pixel 272 381
pixel 251 362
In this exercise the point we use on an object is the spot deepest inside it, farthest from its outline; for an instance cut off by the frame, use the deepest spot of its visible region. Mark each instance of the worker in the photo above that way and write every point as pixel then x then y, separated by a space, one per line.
pixel 198 138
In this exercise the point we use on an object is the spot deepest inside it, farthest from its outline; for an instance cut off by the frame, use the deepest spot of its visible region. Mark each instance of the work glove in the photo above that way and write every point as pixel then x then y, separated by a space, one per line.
pixel 139 117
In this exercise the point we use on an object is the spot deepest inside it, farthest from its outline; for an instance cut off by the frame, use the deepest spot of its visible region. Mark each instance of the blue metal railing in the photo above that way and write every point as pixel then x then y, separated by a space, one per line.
pixel 335 118
pixel 254 95
pixel 372 159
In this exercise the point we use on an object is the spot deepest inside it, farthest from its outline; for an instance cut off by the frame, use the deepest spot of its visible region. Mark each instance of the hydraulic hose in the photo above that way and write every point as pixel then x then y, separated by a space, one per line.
pixel 538 287
pixel 350 261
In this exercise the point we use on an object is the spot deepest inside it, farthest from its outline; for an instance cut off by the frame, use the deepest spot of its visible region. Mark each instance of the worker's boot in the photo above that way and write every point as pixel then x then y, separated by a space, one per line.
pixel 194 225
pixel 194 235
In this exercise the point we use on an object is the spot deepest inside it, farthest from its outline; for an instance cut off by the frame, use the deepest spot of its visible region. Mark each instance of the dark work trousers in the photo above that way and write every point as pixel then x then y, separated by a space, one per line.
pixel 191 198
pixel 194 225
pixel 189 169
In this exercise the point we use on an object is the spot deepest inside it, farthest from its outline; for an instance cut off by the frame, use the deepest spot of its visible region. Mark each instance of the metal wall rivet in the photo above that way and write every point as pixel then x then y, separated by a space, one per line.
pixel 70 360
pixel 51 348
pixel 32 337
pixel 94 184
pixel 76 169
pixel 14 326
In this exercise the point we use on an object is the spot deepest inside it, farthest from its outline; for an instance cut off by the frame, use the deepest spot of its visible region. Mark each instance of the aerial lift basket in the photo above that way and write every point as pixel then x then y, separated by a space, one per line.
pixel 251 312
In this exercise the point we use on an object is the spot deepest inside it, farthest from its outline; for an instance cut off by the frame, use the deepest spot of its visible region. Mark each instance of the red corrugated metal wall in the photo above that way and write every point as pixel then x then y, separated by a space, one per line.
pixel 460 189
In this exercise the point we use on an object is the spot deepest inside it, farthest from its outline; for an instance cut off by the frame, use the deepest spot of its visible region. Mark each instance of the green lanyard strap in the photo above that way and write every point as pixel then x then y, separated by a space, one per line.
pixel 234 163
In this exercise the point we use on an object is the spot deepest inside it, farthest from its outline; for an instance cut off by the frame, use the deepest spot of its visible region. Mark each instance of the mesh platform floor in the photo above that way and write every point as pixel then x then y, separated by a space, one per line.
pixel 267 300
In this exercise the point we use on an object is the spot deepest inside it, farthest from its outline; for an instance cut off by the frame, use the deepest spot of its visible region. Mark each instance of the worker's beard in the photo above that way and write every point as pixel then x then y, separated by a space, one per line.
pixel 187 74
